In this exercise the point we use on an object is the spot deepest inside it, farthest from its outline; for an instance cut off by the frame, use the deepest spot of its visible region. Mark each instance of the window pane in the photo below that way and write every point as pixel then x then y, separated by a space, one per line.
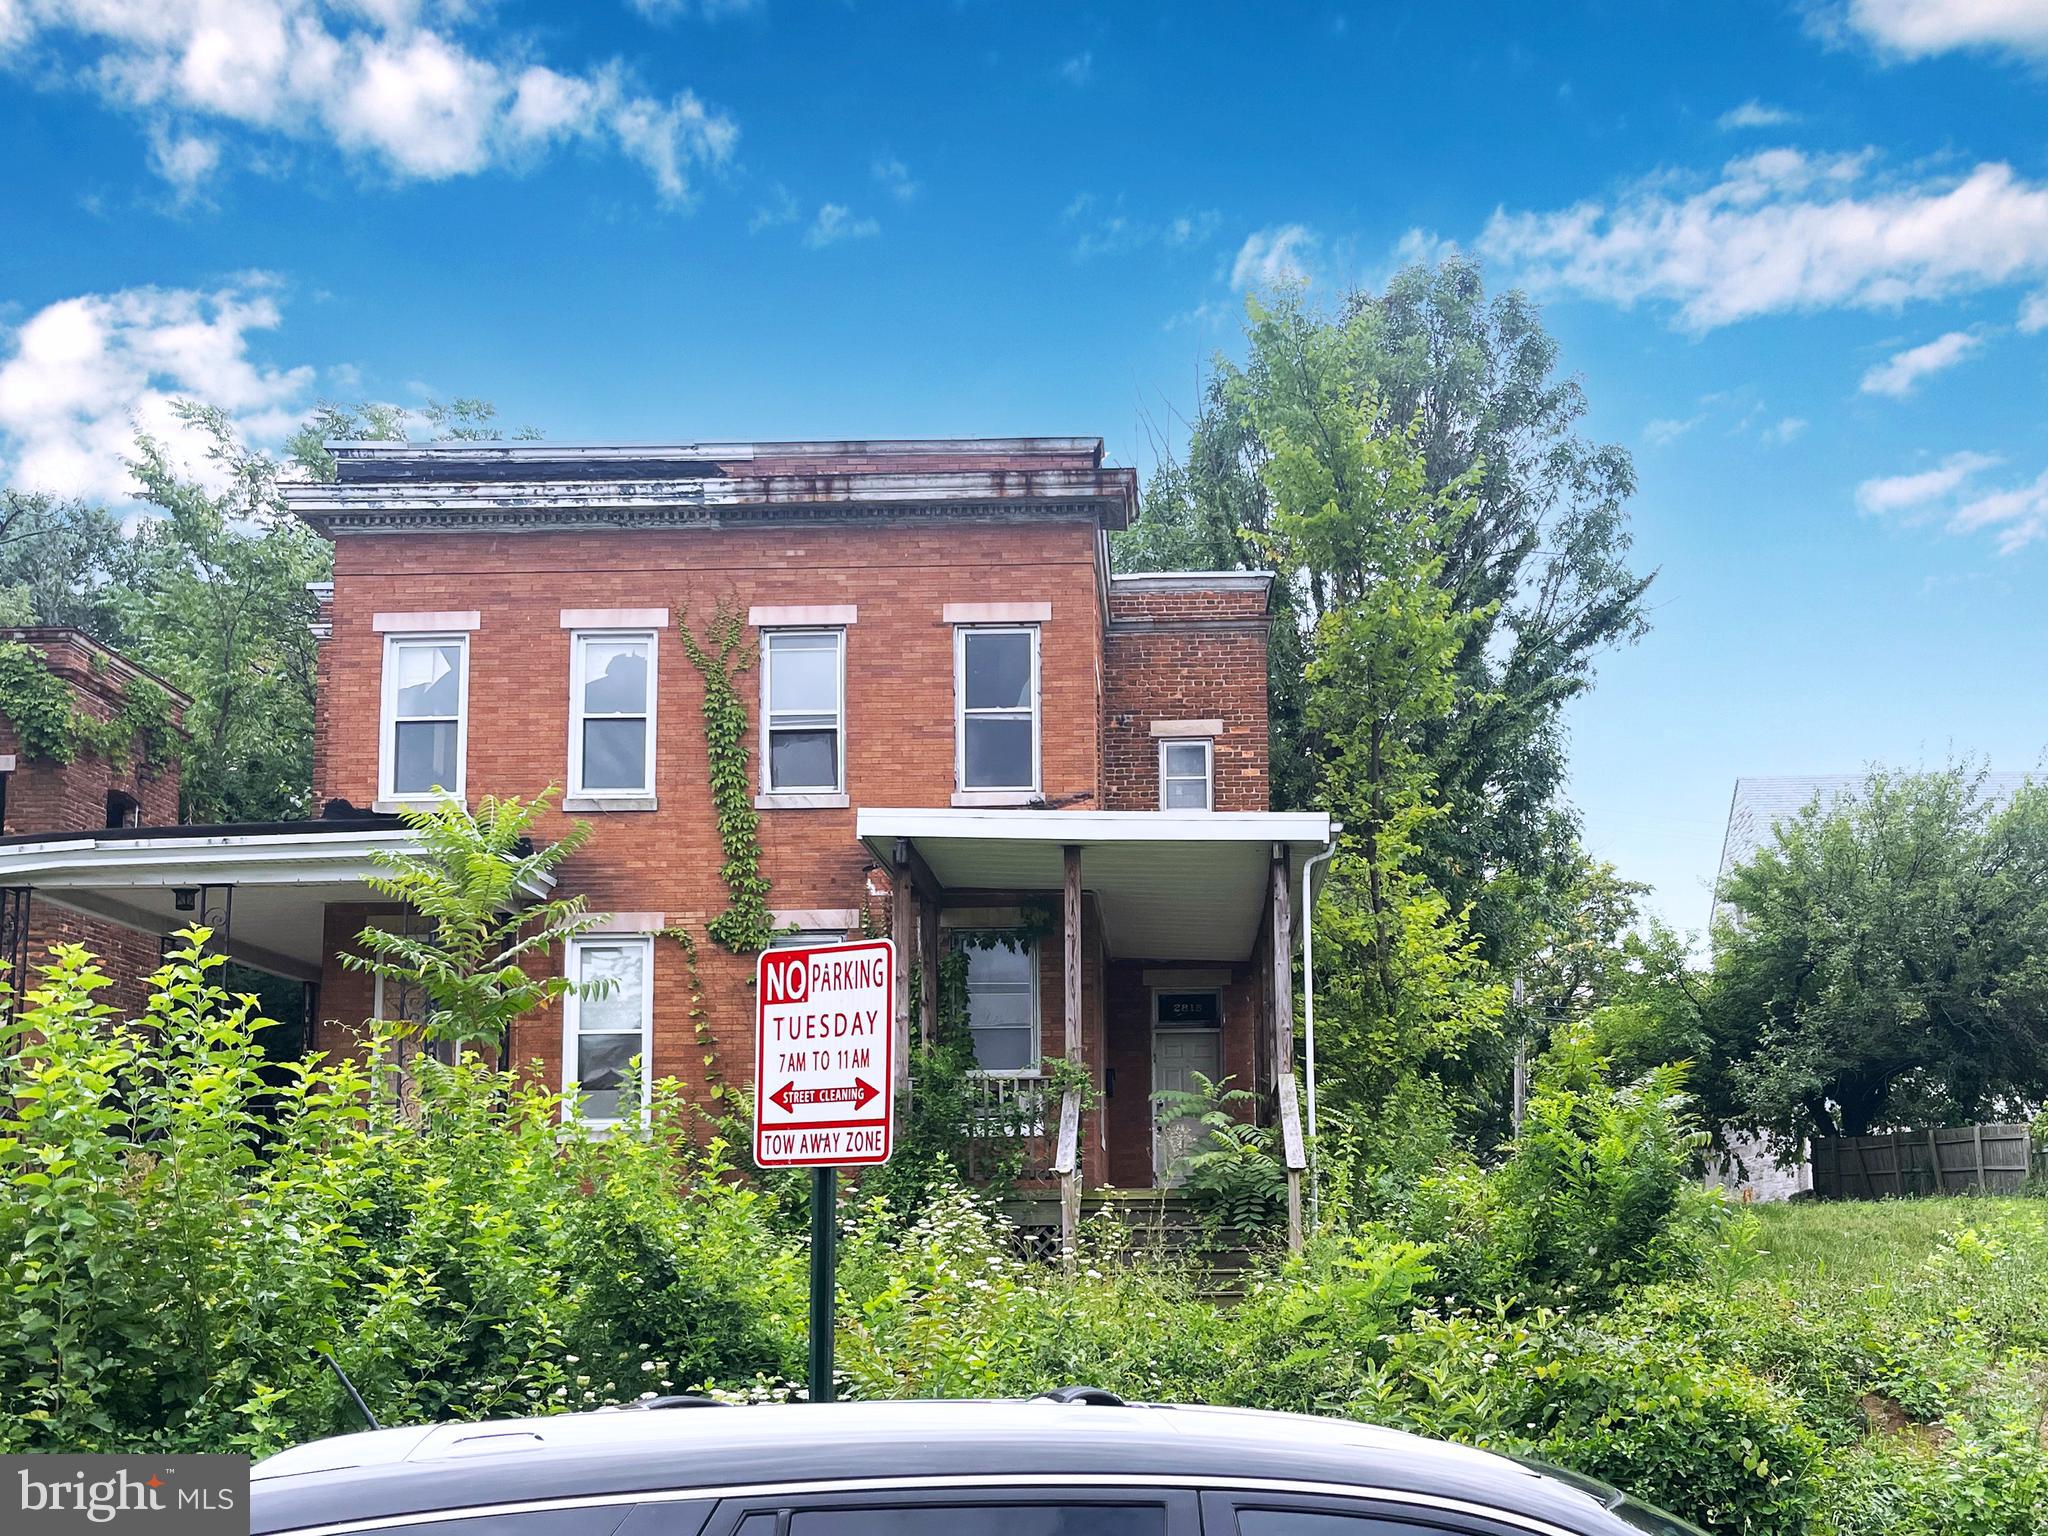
pixel 621 1007
pixel 1187 757
pixel 1187 794
pixel 615 754
pixel 998 670
pixel 998 962
pixel 615 677
pixel 998 753
pixel 1318 1522
pixel 983 1520
pixel 803 674
pixel 598 1521
pixel 602 1065
pixel 803 760
pixel 425 757
pixel 1003 1050
pixel 429 680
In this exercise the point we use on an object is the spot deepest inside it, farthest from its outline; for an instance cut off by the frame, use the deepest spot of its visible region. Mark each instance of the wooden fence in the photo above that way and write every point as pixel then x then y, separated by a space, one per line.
pixel 1951 1161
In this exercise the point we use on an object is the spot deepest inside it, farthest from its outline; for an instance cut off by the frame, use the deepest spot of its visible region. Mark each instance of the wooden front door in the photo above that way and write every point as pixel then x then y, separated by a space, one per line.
pixel 1177 1055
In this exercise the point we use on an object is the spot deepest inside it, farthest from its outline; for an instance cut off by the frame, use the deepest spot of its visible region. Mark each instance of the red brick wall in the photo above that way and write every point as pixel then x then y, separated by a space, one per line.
pixel 1186 656
pixel 899 708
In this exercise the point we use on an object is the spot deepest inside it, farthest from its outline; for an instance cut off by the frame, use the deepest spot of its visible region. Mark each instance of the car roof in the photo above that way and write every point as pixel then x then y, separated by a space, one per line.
pixel 411 1471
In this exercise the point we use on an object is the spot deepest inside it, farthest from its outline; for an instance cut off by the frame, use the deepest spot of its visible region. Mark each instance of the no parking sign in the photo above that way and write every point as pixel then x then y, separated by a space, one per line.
pixel 824 1067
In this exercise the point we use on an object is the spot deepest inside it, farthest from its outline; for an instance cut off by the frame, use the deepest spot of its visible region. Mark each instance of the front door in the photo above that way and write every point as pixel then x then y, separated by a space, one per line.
pixel 1177 1055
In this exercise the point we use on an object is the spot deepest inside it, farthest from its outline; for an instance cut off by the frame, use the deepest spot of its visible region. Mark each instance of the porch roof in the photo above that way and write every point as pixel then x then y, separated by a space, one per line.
pixel 1170 885
pixel 129 876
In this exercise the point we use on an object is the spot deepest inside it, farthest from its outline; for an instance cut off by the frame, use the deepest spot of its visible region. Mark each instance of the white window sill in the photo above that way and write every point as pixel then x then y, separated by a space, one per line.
pixel 823 800
pixel 397 803
pixel 996 797
pixel 608 803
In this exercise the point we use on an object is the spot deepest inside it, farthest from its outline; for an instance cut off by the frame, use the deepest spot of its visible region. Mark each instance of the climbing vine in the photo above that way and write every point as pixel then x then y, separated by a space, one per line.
pixel 50 725
pixel 720 657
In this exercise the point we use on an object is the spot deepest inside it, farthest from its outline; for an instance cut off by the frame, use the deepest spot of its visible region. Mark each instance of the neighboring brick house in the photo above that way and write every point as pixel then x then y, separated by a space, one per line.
pixel 41 794
pixel 962 718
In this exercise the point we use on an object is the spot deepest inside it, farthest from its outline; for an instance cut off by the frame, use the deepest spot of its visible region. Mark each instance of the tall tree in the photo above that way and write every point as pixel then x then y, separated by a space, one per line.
pixel 1885 962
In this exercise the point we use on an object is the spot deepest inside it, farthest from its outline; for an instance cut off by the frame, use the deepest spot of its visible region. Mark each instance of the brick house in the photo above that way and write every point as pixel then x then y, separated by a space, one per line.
pixel 962 719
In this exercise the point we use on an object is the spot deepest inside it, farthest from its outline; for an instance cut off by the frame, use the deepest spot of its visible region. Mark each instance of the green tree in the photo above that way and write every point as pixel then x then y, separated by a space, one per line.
pixel 57 558
pixel 478 882
pixel 1885 961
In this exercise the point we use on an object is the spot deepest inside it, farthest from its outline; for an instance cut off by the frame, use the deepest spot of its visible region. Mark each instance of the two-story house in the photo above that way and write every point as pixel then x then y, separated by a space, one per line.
pixel 960 718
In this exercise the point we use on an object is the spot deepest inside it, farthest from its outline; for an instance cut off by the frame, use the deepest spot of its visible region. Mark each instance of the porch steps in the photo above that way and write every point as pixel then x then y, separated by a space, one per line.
pixel 1161 1223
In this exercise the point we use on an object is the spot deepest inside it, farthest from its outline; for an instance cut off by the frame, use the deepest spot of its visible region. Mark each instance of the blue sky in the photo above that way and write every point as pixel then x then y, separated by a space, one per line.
pixel 1797 251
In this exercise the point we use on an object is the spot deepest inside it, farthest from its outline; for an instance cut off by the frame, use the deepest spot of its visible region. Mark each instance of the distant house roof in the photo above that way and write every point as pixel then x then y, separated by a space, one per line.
pixel 1760 804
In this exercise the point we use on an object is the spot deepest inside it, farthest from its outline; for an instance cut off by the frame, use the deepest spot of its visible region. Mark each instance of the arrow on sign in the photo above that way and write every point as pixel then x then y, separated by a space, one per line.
pixel 857 1093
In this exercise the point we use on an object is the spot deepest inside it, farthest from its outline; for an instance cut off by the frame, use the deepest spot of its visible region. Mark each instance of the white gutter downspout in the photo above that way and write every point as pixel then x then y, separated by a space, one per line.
pixel 1308 997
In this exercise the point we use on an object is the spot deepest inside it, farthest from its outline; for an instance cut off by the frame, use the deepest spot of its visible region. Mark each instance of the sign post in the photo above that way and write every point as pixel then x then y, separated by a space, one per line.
pixel 825 1090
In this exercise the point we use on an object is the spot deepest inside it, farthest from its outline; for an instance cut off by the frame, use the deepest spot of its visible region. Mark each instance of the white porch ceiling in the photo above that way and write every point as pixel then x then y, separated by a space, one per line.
pixel 1169 885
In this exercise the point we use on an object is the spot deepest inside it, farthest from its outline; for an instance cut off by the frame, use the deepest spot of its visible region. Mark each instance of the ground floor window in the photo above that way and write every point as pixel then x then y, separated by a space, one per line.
pixel 604 1034
pixel 1002 1004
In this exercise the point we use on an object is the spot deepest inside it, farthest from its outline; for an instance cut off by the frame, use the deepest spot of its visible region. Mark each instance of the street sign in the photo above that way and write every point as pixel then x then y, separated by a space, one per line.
pixel 824 1073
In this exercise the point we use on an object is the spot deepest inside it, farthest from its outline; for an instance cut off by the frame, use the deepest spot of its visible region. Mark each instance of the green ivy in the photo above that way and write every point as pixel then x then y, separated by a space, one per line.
pixel 744 927
pixel 50 725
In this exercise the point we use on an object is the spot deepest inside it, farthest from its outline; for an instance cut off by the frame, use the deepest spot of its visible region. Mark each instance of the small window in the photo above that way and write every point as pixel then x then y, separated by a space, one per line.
pixel 1325 1522
pixel 1185 775
pixel 611 715
pixel 1189 1010
pixel 806 938
pixel 997 684
pixel 426 686
pixel 1002 1005
pixel 605 1034
pixel 1017 1519
pixel 123 810
pixel 802 692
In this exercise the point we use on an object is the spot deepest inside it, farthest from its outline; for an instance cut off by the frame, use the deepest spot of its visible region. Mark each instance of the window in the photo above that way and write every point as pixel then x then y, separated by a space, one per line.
pixel 597 1520
pixel 1017 1519
pixel 611 715
pixel 1002 1005
pixel 1324 1522
pixel 803 686
pixel 426 687
pixel 997 685
pixel 123 810
pixel 603 1034
pixel 1185 775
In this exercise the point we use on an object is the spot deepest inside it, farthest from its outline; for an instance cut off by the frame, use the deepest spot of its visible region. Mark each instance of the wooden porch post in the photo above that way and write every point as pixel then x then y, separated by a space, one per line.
pixel 1068 1160
pixel 928 959
pixel 1283 1044
pixel 902 892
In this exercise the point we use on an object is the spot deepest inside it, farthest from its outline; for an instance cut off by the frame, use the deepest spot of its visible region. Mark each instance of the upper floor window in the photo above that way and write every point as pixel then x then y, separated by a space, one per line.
pixel 603 1035
pixel 611 714
pixel 1002 1004
pixel 426 704
pixel 996 673
pixel 1187 776
pixel 803 710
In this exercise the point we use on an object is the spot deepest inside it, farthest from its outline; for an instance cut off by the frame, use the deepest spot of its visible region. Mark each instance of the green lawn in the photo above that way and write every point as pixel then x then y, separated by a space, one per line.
pixel 1816 1246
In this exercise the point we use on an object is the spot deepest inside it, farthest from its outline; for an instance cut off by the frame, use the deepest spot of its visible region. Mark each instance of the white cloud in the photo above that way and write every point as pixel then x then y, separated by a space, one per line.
pixel 836 222
pixel 393 83
pixel 1278 254
pixel 1079 69
pixel 1898 374
pixel 1786 429
pixel 2033 315
pixel 895 178
pixel 1921 489
pixel 1669 429
pixel 1916 28
pixel 2013 515
pixel 781 207
pixel 707 10
pixel 1781 231
pixel 80 376
pixel 1754 114
pixel 1109 229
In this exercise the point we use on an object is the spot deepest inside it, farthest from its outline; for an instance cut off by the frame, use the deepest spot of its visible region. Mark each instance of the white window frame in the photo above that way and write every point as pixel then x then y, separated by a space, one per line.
pixel 578 640
pixel 796 794
pixel 969 938
pixel 1166 744
pixel 961 714
pixel 387 719
pixel 572 1012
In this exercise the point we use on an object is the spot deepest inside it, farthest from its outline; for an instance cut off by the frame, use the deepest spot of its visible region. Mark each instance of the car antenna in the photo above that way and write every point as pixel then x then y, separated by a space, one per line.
pixel 349 1387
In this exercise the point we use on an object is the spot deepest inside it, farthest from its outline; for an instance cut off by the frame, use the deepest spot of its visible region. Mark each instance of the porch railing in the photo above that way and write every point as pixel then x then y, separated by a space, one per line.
pixel 1011 1122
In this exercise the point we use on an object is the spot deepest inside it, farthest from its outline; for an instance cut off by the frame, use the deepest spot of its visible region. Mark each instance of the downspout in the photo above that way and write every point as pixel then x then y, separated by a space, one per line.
pixel 1308 999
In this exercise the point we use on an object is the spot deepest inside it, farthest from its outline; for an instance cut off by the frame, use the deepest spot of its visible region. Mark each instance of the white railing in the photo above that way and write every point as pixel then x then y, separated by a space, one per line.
pixel 1008 1106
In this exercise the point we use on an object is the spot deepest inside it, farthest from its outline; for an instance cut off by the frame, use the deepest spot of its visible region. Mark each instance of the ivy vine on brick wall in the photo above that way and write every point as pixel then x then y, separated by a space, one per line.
pixel 720 657
pixel 49 724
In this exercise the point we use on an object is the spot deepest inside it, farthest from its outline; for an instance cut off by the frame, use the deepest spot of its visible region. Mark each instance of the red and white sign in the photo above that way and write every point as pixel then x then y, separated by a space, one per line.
pixel 824 1068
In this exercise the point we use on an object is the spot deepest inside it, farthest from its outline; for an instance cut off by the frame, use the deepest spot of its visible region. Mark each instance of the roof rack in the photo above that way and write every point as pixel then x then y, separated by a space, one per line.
pixel 675 1400
pixel 1093 1397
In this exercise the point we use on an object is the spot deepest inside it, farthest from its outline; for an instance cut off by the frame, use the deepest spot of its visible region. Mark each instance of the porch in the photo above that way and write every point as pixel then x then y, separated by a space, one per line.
pixel 1169 953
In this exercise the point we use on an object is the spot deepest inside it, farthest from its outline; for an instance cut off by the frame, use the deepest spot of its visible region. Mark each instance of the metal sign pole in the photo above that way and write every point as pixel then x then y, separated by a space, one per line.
pixel 824 1268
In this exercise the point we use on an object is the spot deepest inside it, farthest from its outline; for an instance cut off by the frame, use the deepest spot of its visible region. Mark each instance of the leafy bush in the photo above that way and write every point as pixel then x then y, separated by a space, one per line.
pixel 1232 1166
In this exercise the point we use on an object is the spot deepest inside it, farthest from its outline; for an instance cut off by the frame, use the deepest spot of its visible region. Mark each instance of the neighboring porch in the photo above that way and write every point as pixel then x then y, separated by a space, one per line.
pixel 1169 954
